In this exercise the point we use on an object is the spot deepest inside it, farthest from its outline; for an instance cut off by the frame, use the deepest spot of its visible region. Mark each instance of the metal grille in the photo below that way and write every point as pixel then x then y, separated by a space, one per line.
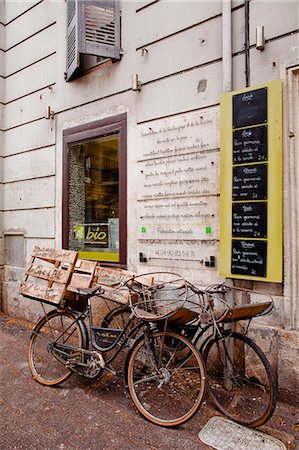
pixel 99 25
pixel 71 47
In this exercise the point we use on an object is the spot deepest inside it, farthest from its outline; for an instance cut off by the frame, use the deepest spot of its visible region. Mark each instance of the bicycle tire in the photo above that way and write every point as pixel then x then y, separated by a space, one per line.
pixel 170 393
pixel 242 387
pixel 44 367
pixel 117 318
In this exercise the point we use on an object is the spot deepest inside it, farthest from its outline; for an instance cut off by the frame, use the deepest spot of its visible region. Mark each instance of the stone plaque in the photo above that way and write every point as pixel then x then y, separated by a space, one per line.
pixel 187 218
pixel 178 253
pixel 185 133
pixel 178 188
pixel 179 176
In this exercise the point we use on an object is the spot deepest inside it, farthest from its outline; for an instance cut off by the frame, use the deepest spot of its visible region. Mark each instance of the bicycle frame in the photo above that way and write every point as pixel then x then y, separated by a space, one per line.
pixel 120 340
pixel 121 336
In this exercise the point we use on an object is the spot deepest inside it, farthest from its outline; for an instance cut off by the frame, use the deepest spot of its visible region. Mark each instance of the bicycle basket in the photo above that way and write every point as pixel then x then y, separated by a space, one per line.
pixel 166 295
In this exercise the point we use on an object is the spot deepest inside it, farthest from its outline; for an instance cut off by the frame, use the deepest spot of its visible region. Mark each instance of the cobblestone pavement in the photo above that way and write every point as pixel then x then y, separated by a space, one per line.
pixel 91 415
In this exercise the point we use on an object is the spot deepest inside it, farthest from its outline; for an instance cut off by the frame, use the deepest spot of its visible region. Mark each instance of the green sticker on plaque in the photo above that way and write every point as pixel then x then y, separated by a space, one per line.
pixel 208 230
pixel 143 229
pixel 80 232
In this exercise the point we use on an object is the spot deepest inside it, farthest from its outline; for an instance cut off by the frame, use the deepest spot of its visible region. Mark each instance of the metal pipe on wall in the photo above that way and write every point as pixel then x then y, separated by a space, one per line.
pixel 247 44
pixel 227 76
pixel 227 45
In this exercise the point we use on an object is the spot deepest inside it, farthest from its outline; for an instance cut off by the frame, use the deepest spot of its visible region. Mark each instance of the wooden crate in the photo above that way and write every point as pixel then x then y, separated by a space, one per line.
pixel 105 276
pixel 48 274
pixel 52 273
pixel 81 278
pixel 113 280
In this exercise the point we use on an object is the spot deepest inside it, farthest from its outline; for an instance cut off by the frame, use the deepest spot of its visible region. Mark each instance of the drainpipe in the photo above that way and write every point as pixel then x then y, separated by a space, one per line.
pixel 247 44
pixel 227 45
pixel 227 77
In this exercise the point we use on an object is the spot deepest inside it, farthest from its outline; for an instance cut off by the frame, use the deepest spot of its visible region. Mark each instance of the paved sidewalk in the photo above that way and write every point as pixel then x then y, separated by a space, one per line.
pixel 95 415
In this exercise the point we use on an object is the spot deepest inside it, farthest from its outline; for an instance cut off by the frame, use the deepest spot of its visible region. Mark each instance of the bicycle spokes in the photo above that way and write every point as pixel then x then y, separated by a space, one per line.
pixel 169 391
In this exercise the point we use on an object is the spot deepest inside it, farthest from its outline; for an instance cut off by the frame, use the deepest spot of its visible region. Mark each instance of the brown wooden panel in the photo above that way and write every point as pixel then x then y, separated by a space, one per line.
pixel 52 255
pixel 32 289
pixel 118 295
pixel 111 277
pixel 83 274
pixel 47 273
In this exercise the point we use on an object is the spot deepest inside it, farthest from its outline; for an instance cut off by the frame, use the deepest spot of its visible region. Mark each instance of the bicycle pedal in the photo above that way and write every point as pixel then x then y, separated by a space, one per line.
pixel 111 370
pixel 100 358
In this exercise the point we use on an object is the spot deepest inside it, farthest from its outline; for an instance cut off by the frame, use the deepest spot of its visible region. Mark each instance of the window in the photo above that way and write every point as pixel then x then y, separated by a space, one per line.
pixel 94 190
pixel 93 32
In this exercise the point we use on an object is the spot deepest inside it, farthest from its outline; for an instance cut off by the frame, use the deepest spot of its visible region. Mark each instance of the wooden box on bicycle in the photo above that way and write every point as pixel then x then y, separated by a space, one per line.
pixel 48 274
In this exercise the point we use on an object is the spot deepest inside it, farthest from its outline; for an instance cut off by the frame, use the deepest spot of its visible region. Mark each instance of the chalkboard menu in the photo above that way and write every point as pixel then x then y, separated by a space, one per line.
pixel 249 257
pixel 250 182
pixel 251 200
pixel 250 145
pixel 250 150
pixel 249 220
pixel 250 108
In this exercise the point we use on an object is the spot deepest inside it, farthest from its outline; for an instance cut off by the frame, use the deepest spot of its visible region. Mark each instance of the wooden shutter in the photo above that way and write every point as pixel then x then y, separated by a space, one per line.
pixel 99 28
pixel 72 51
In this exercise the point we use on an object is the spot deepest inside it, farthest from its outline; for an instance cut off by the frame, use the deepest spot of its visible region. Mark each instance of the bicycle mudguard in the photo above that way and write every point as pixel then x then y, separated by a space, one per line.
pixel 182 316
pixel 244 312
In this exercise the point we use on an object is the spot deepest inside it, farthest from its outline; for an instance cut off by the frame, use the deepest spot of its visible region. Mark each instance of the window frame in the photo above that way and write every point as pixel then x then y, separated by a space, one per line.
pixel 93 130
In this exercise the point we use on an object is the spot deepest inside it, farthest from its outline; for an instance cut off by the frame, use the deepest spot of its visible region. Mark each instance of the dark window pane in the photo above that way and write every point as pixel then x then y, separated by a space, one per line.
pixel 94 197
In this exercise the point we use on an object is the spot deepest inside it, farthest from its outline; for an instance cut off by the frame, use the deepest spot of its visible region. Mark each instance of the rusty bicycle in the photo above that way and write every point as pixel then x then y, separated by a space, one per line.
pixel 164 372
pixel 240 379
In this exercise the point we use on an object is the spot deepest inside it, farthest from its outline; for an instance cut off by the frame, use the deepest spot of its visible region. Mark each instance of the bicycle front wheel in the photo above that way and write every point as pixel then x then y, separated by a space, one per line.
pixel 56 327
pixel 240 379
pixel 166 378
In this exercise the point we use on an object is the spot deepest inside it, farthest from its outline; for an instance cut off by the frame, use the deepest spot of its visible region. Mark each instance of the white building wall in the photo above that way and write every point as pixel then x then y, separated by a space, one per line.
pixel 176 50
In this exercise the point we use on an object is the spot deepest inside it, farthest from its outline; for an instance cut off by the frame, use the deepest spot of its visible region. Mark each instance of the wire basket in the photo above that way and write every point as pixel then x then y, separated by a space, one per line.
pixel 167 294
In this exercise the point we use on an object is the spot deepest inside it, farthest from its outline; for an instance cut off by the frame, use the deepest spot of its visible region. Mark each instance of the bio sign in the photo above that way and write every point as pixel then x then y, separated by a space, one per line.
pixel 251 183
pixel 96 234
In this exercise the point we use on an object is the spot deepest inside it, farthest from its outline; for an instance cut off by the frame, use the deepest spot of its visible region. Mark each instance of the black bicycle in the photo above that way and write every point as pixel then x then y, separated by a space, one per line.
pixel 163 370
pixel 240 379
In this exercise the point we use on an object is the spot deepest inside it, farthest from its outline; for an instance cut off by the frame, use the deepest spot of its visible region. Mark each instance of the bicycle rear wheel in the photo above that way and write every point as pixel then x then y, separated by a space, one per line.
pixel 56 327
pixel 240 379
pixel 118 318
pixel 166 378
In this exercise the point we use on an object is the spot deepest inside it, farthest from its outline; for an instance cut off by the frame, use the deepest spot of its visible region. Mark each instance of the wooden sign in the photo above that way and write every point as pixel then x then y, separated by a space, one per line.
pixel 48 274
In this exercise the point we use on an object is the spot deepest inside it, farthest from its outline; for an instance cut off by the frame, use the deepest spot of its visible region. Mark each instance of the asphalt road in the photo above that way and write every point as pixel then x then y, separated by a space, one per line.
pixel 84 414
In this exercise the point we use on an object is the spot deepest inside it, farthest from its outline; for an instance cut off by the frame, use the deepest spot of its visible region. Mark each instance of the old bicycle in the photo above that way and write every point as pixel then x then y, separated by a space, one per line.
pixel 240 379
pixel 163 370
